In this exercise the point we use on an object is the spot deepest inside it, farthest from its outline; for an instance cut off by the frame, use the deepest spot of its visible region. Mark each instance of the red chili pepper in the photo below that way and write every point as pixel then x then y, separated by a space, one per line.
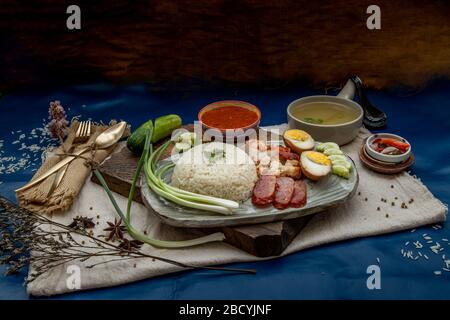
pixel 393 143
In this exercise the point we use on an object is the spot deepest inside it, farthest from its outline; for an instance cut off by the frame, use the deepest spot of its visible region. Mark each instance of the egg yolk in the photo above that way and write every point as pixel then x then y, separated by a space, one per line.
pixel 318 158
pixel 297 135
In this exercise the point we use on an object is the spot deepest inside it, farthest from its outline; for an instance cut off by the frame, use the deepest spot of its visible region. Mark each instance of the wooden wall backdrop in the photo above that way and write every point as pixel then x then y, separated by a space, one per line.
pixel 244 42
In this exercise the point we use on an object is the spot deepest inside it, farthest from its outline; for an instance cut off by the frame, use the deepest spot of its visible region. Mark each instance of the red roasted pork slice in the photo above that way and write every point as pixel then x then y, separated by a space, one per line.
pixel 285 190
pixel 289 155
pixel 299 197
pixel 264 190
pixel 274 148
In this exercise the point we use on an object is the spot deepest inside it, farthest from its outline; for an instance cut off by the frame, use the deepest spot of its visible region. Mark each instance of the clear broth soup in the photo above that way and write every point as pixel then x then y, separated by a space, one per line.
pixel 325 113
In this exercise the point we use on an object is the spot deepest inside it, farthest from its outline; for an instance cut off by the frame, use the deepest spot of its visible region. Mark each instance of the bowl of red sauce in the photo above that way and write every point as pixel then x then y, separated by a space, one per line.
pixel 388 147
pixel 231 117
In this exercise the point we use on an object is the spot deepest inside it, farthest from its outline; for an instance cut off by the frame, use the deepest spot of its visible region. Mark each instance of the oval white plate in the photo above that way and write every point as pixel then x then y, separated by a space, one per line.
pixel 321 195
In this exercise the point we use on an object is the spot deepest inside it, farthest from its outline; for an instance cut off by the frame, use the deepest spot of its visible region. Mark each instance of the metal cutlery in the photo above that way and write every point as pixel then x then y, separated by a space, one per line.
pixel 106 139
pixel 82 135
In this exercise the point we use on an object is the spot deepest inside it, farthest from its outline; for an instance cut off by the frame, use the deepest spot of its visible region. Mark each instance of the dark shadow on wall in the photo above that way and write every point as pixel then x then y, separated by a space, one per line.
pixel 195 42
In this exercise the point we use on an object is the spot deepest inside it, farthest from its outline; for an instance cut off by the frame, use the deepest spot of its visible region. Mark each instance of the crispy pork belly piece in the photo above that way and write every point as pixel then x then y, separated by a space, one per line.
pixel 255 149
pixel 273 160
pixel 264 159
pixel 295 172
pixel 294 163
pixel 255 145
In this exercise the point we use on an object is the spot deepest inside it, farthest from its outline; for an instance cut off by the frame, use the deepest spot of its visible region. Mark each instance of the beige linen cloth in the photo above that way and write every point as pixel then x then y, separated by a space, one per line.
pixel 37 198
pixel 356 218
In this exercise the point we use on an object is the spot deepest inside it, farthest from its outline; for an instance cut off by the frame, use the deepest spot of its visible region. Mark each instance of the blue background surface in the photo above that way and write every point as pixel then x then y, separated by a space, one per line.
pixel 335 271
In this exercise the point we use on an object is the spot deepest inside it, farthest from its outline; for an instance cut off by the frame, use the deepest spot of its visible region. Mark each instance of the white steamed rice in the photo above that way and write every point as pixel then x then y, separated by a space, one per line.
pixel 228 175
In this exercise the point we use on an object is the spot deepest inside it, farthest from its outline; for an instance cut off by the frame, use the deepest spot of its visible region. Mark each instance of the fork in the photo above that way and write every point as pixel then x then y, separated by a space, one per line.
pixel 82 135
pixel 83 132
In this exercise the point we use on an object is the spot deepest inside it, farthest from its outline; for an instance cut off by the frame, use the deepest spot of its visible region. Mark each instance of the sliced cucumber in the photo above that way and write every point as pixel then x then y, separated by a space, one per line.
pixel 340 165
pixel 187 137
pixel 182 146
pixel 329 152
pixel 345 164
pixel 326 145
pixel 341 171
pixel 337 157
pixel 184 141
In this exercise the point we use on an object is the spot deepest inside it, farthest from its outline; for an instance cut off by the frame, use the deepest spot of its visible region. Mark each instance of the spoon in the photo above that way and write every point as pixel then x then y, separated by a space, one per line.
pixel 106 139
pixel 374 118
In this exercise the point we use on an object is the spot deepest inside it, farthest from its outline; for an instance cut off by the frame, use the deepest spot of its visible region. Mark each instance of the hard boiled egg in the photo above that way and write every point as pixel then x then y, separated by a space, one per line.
pixel 298 140
pixel 315 165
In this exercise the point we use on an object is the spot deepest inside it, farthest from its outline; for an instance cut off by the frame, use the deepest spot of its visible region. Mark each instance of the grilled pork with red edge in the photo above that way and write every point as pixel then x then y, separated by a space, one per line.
pixel 264 190
pixel 284 192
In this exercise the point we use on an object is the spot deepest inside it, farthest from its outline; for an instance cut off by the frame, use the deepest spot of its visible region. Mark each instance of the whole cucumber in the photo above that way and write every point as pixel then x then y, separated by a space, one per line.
pixel 136 140
pixel 165 125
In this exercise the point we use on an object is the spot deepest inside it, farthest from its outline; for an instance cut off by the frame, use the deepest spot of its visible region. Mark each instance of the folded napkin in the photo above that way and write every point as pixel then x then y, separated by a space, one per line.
pixel 37 198
pixel 356 218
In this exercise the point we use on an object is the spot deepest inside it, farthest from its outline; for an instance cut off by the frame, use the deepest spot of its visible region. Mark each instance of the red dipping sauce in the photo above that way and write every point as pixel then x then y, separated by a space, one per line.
pixel 229 117
pixel 230 114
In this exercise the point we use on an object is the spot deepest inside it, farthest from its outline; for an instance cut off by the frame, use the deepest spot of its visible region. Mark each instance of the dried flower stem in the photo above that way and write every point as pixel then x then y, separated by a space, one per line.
pixel 58 122
pixel 26 238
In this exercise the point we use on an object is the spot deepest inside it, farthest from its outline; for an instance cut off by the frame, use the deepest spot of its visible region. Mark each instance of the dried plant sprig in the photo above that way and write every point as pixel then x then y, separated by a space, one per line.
pixel 58 121
pixel 29 238
pixel 130 245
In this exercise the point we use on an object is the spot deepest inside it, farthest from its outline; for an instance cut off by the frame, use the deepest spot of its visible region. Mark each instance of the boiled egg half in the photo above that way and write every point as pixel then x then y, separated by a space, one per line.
pixel 298 140
pixel 315 165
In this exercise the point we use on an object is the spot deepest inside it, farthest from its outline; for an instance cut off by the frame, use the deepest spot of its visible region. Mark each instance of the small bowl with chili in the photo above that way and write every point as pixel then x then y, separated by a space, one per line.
pixel 230 117
pixel 388 147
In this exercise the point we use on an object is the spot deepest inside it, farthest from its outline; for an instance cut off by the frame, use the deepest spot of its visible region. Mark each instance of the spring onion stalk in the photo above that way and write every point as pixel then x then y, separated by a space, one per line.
pixel 218 236
pixel 182 197
pixel 155 187
pixel 137 174
pixel 190 195
pixel 109 193
pixel 157 154
pixel 187 203
pixel 158 186
pixel 135 234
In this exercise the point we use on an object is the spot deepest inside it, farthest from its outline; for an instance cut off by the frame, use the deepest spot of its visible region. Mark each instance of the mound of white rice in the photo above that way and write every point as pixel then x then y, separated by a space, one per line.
pixel 216 169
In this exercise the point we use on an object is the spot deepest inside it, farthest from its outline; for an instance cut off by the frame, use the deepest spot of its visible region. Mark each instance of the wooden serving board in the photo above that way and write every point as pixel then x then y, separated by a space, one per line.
pixel 261 240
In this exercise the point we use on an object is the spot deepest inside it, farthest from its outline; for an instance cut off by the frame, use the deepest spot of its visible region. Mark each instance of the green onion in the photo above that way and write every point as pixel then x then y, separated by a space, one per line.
pixel 218 236
pixel 313 120
pixel 137 174
pixel 190 195
pixel 182 197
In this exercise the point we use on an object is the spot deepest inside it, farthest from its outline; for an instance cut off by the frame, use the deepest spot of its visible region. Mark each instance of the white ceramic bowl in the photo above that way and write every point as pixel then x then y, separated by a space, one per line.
pixel 339 133
pixel 387 157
